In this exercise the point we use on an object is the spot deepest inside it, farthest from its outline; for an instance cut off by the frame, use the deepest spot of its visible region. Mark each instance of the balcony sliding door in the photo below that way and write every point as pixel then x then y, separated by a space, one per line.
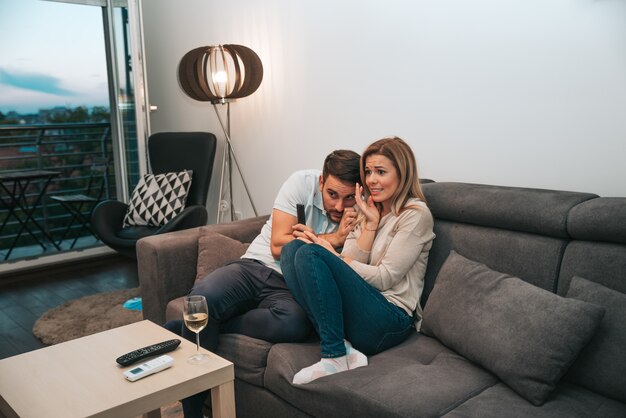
pixel 125 70
pixel 104 47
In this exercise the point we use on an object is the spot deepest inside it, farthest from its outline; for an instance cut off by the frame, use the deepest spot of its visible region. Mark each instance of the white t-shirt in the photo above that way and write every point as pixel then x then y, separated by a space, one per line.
pixel 301 187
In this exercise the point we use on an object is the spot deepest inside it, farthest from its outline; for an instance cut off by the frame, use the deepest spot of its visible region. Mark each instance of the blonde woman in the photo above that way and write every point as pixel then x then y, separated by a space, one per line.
pixel 369 294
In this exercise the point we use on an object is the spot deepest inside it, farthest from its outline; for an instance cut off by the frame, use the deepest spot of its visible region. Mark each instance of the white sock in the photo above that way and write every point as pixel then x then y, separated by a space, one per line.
pixel 324 367
pixel 355 357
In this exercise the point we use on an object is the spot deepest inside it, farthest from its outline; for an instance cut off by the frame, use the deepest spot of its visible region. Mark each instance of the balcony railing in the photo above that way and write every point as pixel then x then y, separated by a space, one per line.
pixel 67 148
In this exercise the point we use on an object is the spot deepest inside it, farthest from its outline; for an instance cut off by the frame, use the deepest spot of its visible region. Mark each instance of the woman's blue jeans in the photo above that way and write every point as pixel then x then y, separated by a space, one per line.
pixel 340 303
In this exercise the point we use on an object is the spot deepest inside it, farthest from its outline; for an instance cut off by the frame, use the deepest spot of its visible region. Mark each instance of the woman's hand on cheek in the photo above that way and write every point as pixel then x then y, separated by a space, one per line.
pixel 367 207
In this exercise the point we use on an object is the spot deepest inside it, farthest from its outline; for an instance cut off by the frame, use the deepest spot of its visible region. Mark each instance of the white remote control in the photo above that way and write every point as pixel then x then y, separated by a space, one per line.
pixel 148 368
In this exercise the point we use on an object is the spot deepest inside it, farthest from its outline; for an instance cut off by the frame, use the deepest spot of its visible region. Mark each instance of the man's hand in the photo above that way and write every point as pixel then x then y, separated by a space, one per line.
pixel 348 222
pixel 311 238
pixel 298 230
pixel 346 225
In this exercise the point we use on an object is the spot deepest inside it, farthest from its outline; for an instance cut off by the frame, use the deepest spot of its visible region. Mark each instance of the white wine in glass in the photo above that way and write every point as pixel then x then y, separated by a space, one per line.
pixel 196 317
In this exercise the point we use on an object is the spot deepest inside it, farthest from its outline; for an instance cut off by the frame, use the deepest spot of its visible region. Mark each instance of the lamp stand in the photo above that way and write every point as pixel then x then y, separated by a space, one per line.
pixel 230 153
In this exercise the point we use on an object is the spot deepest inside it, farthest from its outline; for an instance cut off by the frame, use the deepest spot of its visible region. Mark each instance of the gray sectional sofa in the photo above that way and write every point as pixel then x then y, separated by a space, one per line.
pixel 525 314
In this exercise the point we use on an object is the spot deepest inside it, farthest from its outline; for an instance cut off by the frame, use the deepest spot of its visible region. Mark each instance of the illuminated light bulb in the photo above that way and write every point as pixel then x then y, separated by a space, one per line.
pixel 220 77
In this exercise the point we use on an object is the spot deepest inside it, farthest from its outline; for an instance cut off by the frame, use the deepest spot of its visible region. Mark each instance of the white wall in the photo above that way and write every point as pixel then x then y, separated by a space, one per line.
pixel 525 93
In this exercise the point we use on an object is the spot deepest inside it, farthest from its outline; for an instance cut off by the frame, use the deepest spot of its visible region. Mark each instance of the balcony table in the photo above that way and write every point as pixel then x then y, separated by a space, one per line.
pixel 15 185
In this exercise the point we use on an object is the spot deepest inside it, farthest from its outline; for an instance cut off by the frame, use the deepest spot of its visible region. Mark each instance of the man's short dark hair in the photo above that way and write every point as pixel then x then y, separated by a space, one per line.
pixel 343 164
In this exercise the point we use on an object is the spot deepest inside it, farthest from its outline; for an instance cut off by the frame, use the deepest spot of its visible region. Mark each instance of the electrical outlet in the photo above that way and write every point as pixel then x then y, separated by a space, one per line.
pixel 237 215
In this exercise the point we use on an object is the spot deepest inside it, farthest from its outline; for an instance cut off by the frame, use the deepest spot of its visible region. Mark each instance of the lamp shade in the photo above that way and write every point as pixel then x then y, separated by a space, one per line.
pixel 219 73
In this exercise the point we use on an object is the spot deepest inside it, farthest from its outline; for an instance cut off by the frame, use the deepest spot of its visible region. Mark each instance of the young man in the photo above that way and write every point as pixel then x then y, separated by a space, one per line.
pixel 249 296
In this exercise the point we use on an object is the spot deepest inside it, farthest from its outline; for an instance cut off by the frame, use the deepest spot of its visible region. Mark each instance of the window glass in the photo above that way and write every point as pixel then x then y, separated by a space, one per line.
pixel 52 56
pixel 56 82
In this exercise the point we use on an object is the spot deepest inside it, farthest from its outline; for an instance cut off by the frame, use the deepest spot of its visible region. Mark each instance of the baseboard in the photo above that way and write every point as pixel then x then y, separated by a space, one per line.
pixel 9 268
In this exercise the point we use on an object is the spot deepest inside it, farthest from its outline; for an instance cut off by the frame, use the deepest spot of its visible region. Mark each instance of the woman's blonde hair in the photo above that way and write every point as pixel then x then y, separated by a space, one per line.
pixel 403 159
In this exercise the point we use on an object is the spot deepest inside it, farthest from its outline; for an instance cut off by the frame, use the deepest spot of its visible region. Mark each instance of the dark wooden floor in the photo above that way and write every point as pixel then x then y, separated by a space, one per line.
pixel 25 296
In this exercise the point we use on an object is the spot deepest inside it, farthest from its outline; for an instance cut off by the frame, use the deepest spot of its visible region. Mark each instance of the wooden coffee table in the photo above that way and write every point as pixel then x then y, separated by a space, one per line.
pixel 80 378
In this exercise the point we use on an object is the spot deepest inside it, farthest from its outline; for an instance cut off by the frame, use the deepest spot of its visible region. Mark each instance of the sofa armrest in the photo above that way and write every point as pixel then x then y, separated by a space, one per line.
pixel 166 265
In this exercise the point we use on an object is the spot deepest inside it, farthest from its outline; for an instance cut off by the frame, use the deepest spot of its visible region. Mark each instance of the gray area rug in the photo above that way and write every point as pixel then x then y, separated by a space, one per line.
pixel 86 316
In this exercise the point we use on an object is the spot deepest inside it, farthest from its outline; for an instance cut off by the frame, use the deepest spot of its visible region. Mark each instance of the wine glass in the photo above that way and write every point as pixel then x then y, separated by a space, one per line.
pixel 196 317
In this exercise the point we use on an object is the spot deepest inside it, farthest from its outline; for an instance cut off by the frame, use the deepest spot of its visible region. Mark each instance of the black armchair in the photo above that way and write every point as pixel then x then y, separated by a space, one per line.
pixel 168 152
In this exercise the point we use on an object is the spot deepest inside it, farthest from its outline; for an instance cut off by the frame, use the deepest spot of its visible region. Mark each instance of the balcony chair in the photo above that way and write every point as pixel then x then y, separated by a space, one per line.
pixel 81 205
pixel 168 152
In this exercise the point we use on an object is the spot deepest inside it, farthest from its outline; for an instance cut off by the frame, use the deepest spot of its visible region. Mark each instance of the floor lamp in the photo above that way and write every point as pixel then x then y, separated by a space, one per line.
pixel 219 74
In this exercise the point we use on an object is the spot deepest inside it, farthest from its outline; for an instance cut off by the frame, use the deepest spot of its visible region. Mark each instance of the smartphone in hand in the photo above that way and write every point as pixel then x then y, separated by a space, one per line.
pixel 300 210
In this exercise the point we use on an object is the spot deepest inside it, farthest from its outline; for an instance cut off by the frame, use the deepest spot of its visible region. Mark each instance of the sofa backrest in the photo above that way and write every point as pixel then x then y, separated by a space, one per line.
pixel 546 238
pixel 519 231
pixel 597 253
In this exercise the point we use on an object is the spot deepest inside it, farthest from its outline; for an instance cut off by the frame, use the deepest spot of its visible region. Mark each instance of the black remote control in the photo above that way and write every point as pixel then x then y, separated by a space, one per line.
pixel 300 210
pixel 149 351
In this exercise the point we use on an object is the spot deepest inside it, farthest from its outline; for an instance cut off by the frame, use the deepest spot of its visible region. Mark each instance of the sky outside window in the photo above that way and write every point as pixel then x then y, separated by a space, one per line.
pixel 51 54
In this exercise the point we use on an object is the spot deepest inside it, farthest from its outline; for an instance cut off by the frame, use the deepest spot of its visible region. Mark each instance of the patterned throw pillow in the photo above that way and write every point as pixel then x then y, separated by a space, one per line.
pixel 158 198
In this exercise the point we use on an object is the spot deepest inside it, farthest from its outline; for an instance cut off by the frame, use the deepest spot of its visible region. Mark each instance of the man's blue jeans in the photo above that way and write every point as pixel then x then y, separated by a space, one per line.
pixel 340 303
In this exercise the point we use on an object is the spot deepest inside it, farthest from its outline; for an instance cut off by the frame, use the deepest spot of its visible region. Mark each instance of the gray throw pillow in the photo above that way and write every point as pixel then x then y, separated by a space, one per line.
pixel 601 365
pixel 216 249
pixel 525 335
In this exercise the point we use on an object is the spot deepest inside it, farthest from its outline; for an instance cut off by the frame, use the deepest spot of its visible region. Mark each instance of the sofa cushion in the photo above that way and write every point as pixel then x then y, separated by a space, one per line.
pixel 601 365
pixel 249 355
pixel 214 250
pixel 174 309
pixel 525 335
pixel 567 401
pixel 418 378
pixel 599 262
